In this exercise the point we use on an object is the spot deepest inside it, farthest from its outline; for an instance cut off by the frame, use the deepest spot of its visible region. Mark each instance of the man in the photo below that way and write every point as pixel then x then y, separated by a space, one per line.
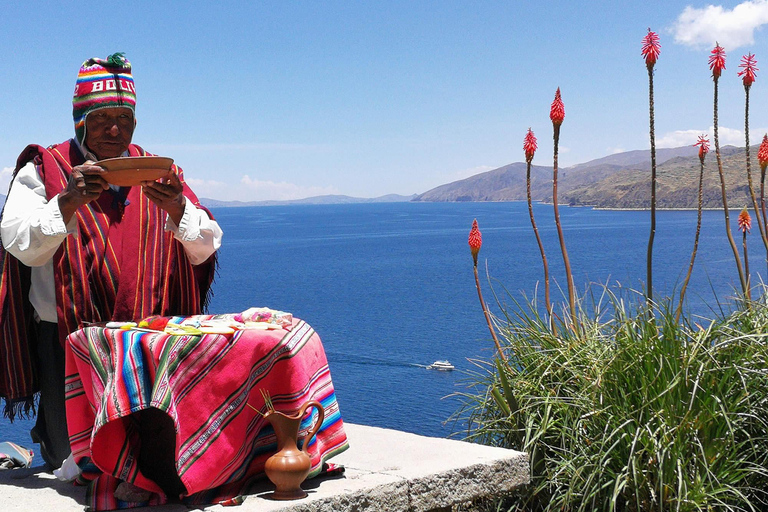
pixel 76 249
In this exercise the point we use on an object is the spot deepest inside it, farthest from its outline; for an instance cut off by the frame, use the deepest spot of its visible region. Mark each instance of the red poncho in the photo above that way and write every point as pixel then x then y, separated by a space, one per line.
pixel 123 265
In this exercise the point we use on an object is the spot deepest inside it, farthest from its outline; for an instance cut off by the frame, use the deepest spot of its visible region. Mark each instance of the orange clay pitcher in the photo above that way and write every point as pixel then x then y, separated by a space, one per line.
pixel 288 468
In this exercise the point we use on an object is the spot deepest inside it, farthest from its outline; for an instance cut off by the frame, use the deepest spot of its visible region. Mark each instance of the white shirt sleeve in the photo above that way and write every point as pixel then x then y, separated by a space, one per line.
pixel 199 234
pixel 32 227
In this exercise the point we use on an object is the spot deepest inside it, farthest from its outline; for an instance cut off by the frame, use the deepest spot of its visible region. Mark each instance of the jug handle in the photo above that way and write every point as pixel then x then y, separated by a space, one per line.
pixel 318 423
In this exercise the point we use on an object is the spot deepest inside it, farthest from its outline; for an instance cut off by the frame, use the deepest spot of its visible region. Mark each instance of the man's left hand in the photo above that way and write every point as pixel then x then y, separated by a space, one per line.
pixel 167 194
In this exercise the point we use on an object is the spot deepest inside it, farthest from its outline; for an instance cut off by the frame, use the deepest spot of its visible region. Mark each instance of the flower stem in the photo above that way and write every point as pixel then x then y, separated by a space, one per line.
pixel 762 205
pixel 649 257
pixel 566 261
pixel 759 212
pixel 488 316
pixel 728 233
pixel 695 245
pixel 746 264
pixel 538 240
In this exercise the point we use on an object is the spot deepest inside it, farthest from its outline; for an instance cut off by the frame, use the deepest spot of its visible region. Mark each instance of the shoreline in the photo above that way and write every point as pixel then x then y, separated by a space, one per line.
pixel 601 208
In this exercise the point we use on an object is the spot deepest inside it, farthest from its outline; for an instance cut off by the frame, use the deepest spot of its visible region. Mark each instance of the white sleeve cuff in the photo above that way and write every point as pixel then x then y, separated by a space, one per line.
pixel 52 222
pixel 188 229
pixel 199 234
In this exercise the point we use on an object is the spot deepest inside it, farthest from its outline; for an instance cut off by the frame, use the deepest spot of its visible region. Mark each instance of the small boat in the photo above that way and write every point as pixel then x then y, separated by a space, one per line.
pixel 441 365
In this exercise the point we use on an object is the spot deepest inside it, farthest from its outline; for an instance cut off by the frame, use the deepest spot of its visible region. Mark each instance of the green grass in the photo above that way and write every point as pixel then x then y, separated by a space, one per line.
pixel 625 411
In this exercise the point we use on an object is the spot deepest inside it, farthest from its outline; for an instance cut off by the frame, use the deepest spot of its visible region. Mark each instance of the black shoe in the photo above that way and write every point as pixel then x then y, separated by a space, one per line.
pixel 50 461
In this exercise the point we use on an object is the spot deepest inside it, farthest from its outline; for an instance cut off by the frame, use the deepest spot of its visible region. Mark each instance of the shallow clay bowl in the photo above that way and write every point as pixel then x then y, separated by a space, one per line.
pixel 129 171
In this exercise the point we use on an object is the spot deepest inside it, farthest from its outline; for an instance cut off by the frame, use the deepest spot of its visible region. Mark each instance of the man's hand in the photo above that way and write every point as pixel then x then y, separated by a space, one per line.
pixel 85 184
pixel 167 194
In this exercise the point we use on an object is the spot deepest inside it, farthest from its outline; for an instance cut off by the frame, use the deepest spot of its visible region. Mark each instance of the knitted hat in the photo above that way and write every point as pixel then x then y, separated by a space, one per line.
pixel 102 83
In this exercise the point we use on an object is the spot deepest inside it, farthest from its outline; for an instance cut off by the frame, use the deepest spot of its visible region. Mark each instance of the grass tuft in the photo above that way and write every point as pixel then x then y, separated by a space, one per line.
pixel 626 410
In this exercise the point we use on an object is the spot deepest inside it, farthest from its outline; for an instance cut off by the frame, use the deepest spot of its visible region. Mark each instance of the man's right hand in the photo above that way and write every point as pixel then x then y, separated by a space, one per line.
pixel 84 185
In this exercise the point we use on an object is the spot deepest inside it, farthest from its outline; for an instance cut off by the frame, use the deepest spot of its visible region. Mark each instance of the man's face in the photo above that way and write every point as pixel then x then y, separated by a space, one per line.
pixel 108 131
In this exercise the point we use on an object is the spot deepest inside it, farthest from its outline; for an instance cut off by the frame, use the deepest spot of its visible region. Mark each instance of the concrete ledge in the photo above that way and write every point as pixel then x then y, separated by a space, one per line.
pixel 385 470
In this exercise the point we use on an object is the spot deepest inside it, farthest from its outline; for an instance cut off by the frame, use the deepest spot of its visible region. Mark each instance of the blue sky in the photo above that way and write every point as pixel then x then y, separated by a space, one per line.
pixel 283 100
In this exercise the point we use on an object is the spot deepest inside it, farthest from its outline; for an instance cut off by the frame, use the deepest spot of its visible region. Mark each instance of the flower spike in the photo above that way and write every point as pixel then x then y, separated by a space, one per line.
pixel 475 240
pixel 717 61
pixel 557 111
pixel 749 66
pixel 762 154
pixel 529 145
pixel 745 221
pixel 703 144
pixel 651 48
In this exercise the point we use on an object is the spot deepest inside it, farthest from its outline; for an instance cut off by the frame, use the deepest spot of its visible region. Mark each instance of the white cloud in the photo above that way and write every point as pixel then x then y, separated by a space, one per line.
pixel 614 151
pixel 278 191
pixel 678 138
pixel 702 27
pixel 5 179
pixel 728 136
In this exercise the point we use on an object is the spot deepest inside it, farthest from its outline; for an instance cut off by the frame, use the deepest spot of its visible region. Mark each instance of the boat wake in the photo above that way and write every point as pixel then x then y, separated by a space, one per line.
pixel 369 361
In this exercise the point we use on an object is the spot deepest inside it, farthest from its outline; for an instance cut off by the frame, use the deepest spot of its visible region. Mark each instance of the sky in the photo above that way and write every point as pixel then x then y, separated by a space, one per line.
pixel 260 100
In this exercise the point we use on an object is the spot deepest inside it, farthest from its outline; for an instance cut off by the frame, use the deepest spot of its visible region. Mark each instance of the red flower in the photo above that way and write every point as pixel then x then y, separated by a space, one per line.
pixel 529 145
pixel 749 64
pixel 717 61
pixel 762 154
pixel 703 144
pixel 557 112
pixel 651 48
pixel 745 221
pixel 475 240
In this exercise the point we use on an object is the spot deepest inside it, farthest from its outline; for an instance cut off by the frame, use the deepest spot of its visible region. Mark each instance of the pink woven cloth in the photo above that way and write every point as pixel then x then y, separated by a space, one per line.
pixel 208 384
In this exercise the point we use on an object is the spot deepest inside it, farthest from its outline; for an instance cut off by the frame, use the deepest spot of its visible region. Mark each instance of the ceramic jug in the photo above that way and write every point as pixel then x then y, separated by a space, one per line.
pixel 288 468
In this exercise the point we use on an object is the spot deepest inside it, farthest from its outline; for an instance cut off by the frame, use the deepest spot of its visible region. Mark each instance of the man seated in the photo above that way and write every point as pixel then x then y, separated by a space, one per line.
pixel 78 250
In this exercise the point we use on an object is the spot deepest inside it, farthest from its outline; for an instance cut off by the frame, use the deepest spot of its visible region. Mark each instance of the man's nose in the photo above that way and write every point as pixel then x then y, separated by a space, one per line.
pixel 114 130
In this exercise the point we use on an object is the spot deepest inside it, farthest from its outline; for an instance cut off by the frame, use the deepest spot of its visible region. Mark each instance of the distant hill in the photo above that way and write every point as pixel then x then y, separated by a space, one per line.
pixel 508 183
pixel 677 182
pixel 616 181
pixel 640 158
pixel 327 199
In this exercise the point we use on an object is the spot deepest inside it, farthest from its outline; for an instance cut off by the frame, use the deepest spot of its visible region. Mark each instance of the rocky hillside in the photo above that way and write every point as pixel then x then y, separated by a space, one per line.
pixel 616 181
pixel 677 184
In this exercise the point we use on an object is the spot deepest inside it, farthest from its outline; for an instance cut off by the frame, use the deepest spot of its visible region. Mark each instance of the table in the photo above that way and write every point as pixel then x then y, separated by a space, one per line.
pixel 209 384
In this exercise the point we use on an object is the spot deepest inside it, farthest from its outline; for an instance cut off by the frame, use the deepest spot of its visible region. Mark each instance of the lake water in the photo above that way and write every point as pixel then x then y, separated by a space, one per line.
pixel 390 288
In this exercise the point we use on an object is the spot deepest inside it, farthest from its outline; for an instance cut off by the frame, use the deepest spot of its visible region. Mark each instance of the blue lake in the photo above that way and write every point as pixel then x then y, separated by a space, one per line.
pixel 390 287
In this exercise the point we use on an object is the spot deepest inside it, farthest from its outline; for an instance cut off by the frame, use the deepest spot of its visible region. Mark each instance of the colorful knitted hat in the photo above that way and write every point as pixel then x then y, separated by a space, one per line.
pixel 102 83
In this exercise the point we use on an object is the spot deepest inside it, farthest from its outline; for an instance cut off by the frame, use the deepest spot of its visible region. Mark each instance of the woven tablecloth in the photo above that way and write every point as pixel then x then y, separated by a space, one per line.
pixel 205 383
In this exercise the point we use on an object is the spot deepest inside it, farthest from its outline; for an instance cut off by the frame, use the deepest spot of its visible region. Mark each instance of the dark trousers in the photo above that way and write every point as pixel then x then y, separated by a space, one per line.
pixel 50 430
pixel 157 456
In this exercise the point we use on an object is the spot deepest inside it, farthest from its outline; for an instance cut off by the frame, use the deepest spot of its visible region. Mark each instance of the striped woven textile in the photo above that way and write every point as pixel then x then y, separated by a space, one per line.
pixel 208 384
pixel 121 265
pixel 102 83
pixel 14 456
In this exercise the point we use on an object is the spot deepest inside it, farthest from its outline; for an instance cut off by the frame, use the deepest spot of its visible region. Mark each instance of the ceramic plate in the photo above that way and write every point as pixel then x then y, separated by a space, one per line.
pixel 130 171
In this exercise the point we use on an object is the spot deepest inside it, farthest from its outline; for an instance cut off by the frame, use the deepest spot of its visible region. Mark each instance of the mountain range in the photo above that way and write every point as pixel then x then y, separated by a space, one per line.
pixel 617 181
pixel 327 199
